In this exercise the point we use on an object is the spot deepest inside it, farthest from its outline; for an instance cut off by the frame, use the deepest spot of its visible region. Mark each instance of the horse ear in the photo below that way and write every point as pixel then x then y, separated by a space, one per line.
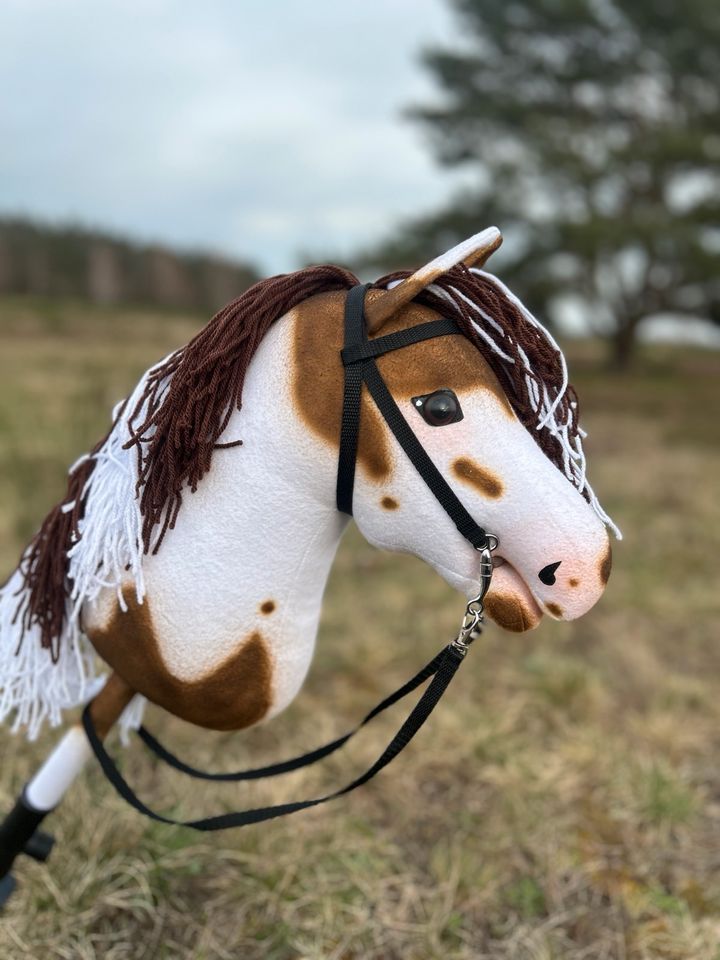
pixel 472 252
pixel 479 257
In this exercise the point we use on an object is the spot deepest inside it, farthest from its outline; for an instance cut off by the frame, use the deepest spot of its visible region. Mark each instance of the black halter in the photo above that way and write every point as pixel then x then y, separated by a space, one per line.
pixel 358 356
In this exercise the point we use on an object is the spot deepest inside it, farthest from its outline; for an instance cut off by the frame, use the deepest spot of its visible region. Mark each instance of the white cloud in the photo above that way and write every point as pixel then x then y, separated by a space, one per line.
pixel 257 129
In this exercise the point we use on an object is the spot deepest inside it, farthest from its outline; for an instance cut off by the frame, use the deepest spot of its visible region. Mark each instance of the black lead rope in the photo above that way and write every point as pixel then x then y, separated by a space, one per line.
pixel 442 669
pixel 296 763
pixel 358 356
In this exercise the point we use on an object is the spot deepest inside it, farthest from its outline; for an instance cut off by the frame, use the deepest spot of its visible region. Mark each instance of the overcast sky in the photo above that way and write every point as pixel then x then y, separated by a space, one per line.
pixel 262 130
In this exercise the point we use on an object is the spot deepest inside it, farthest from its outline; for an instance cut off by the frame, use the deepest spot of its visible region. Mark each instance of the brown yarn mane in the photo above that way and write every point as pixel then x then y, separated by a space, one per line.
pixel 175 427
pixel 189 398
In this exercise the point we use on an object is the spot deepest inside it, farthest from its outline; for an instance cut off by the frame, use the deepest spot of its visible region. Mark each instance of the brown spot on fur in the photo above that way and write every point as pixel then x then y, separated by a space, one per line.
pixel 509 613
pixel 479 477
pixel 107 706
pixel 451 361
pixel 236 694
pixel 573 582
pixel 555 609
pixel 267 607
pixel 606 565
pixel 389 503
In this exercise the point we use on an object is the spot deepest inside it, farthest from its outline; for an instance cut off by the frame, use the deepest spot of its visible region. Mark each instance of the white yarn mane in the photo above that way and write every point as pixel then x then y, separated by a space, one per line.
pixel 107 554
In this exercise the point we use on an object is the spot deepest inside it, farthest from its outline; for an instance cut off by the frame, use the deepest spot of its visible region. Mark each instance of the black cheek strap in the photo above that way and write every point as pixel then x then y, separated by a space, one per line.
pixel 358 356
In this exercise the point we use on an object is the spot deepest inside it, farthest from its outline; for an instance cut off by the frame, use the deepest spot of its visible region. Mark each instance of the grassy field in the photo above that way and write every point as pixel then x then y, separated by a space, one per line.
pixel 564 802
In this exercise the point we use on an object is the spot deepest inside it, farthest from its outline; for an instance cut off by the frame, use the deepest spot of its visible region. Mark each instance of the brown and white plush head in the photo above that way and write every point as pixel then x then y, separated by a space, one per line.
pixel 494 411
pixel 194 541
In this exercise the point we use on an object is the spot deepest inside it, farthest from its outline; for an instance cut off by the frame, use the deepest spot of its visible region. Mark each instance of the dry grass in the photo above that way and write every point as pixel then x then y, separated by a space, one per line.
pixel 563 803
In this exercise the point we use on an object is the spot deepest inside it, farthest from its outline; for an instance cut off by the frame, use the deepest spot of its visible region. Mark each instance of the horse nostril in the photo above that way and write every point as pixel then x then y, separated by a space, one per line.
pixel 547 574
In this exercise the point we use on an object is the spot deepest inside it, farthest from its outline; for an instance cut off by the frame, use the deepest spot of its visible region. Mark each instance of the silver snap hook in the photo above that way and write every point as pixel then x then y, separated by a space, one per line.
pixel 472 621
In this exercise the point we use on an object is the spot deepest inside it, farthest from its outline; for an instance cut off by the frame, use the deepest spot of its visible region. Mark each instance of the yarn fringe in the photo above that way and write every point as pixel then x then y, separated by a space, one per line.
pixel 39 682
pixel 546 399
pixel 124 496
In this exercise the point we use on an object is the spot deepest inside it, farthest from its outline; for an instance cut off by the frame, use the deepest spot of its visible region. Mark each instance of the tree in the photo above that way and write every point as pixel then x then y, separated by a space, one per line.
pixel 593 127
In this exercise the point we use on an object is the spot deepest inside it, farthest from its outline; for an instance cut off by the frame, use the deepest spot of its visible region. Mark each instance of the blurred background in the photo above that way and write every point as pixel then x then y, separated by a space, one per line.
pixel 155 160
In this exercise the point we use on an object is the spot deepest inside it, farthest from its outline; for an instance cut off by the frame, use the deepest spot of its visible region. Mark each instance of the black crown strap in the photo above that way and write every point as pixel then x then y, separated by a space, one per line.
pixel 355 335
pixel 445 665
pixel 358 356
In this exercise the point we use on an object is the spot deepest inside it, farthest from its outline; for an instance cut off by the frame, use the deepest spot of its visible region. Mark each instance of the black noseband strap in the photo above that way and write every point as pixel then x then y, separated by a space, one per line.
pixel 358 356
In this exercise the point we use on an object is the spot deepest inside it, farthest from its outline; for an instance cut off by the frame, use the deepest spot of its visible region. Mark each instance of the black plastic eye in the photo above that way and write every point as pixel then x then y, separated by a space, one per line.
pixel 439 408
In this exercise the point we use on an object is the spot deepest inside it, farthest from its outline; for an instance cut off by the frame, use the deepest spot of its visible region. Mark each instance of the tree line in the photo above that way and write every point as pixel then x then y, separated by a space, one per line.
pixel 66 261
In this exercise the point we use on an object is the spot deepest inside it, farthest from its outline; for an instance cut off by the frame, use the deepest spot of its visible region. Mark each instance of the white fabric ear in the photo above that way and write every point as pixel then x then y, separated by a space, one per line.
pixel 473 250
pixel 469 251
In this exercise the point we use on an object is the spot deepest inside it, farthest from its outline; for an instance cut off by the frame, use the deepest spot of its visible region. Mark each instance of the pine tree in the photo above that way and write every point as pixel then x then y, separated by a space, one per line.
pixel 593 127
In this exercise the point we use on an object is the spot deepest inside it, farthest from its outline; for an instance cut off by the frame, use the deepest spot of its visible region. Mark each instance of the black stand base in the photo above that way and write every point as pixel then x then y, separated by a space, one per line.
pixel 39 846
pixel 19 834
